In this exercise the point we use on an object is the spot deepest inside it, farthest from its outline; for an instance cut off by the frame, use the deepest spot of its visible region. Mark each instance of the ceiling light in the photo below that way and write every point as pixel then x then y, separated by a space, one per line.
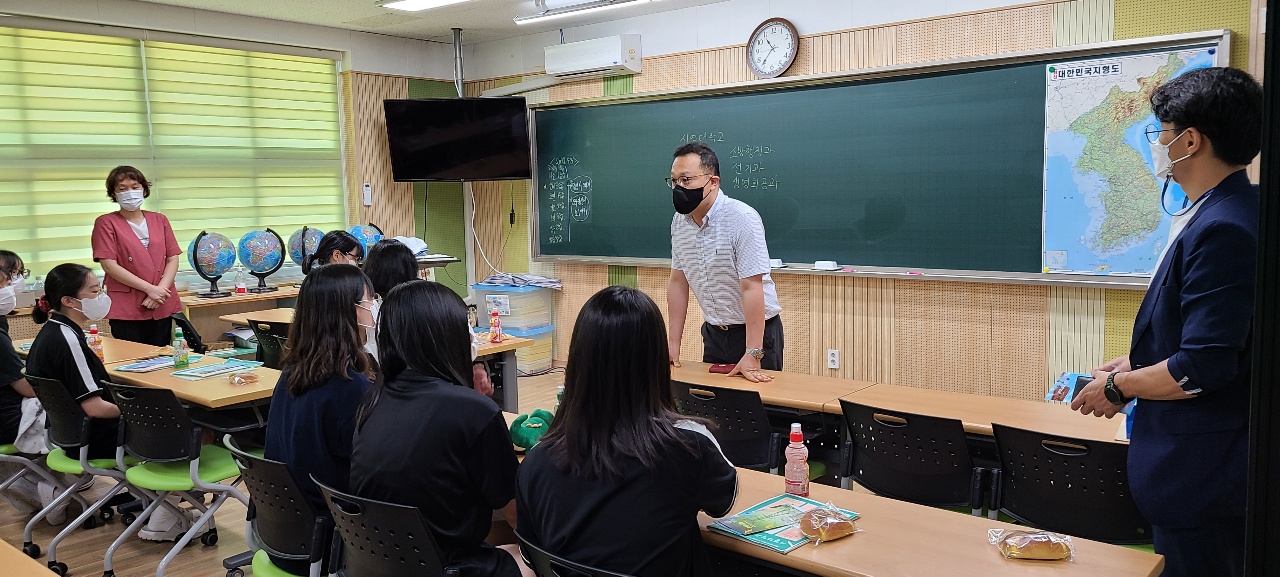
pixel 417 5
pixel 577 10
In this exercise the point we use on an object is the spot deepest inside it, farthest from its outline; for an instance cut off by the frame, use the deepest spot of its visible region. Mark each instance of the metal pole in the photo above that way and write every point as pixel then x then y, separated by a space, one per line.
pixel 457 60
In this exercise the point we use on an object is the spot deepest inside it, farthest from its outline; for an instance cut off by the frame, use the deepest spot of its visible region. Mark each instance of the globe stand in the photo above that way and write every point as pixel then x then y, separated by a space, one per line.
pixel 262 276
pixel 213 293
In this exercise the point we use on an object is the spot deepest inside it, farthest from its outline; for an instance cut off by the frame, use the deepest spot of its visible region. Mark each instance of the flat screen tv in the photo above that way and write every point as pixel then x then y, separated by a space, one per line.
pixel 458 139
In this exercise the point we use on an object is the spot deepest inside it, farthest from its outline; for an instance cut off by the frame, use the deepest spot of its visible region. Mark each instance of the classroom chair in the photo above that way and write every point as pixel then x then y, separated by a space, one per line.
pixel 157 430
pixel 382 539
pixel 273 340
pixel 911 457
pixel 548 565
pixel 282 523
pixel 1067 485
pixel 742 426
pixel 69 429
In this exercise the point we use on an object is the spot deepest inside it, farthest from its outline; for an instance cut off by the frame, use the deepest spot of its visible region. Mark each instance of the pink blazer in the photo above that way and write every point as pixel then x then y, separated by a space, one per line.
pixel 114 239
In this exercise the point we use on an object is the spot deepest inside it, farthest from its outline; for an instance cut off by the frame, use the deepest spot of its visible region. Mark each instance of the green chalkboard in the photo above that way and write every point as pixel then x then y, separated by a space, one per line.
pixel 941 171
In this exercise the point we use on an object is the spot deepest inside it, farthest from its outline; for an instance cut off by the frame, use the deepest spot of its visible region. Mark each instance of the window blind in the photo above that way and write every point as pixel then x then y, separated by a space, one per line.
pixel 232 140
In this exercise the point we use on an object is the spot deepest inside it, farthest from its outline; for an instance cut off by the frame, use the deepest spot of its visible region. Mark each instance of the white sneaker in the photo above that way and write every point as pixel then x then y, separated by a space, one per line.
pixel 58 515
pixel 164 525
pixel 24 494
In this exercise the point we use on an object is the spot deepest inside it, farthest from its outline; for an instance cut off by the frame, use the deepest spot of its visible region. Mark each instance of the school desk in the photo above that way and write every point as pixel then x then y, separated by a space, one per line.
pixel 204 313
pixel 211 393
pixel 17 564
pixel 113 350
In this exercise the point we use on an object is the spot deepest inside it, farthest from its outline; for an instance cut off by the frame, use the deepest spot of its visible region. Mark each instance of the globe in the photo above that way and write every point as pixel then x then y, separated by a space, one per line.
pixel 214 256
pixel 367 235
pixel 298 250
pixel 261 251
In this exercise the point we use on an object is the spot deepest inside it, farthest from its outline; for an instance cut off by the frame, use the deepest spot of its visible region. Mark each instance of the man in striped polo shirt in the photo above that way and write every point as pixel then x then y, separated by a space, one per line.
pixel 718 250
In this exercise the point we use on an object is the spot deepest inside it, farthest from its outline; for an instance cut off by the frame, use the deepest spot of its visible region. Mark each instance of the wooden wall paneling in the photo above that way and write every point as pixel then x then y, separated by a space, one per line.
pixel 1120 311
pixel 1026 28
pixel 854 316
pixel 795 296
pixel 373 161
pixel 803 63
pixel 349 147
pixel 1084 22
pixel 653 282
pixel 854 49
pixel 666 73
pixel 589 88
pixel 1019 340
pixel 942 336
pixel 721 66
pixel 1077 331
pixel 491 218
pixel 580 282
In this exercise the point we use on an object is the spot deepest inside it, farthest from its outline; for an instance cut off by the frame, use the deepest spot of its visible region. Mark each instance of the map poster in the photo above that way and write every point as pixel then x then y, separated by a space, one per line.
pixel 1102 201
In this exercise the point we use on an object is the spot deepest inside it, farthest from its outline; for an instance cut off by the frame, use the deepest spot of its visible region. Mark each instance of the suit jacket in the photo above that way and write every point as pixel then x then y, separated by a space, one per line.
pixel 114 239
pixel 1187 458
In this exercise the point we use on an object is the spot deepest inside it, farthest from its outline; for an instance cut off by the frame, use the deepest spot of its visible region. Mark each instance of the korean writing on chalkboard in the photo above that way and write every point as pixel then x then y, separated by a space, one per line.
pixel 708 136
pixel 755 182
pixel 750 151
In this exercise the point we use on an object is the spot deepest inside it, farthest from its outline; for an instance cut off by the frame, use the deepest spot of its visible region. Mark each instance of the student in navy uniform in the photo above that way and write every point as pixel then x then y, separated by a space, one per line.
pixel 1189 364
pixel 335 247
pixel 618 481
pixel 325 375
pixel 13 385
pixel 427 439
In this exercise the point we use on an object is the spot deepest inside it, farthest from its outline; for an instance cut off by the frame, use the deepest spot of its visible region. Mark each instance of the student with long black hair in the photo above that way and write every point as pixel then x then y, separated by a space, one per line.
pixel 427 439
pixel 337 246
pixel 618 480
pixel 390 263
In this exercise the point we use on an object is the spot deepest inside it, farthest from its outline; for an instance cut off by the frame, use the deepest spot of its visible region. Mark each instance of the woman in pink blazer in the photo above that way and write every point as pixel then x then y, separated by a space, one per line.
pixel 139 254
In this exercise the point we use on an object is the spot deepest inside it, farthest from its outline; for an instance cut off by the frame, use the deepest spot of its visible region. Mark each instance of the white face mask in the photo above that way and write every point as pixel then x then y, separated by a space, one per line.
pixel 130 200
pixel 19 284
pixel 371 331
pixel 1160 157
pixel 8 300
pixel 97 307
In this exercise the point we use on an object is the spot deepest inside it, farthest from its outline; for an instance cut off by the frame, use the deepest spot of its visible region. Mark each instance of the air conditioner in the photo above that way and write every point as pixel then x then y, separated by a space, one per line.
pixel 611 56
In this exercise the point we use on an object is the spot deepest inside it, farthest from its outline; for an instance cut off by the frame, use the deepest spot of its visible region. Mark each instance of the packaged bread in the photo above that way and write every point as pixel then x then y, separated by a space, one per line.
pixel 826 524
pixel 1038 545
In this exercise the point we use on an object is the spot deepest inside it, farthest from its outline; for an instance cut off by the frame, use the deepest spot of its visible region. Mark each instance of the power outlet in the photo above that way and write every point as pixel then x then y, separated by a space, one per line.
pixel 833 359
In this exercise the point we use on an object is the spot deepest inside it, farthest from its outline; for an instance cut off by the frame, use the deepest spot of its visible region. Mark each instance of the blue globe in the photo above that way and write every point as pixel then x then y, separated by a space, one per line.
pixel 367 235
pixel 261 251
pixel 215 255
pixel 297 248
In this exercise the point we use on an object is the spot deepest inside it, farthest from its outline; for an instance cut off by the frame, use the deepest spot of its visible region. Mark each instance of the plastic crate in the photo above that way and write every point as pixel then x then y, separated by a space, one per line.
pixel 520 308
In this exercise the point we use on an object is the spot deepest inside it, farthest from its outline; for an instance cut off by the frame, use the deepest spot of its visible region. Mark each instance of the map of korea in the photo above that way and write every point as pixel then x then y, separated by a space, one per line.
pixel 1127 217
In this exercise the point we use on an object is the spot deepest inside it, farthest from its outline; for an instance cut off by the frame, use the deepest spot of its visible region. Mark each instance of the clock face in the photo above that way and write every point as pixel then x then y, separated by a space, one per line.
pixel 772 48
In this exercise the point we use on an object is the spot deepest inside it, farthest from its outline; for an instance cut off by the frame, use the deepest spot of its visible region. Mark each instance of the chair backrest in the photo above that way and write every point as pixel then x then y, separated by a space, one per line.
pixel 283 519
pixel 909 457
pixel 68 423
pixel 272 339
pixel 742 426
pixel 382 539
pixel 547 565
pixel 1068 485
pixel 156 426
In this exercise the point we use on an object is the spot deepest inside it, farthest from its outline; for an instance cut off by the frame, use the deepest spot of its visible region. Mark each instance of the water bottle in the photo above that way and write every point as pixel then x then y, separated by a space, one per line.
pixel 796 472
pixel 495 328
pixel 181 356
pixel 39 284
pixel 559 399
pixel 95 342
pixel 241 287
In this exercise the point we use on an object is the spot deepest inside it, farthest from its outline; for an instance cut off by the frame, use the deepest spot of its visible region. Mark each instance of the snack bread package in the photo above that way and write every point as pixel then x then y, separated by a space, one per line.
pixel 826 524
pixel 242 378
pixel 1039 545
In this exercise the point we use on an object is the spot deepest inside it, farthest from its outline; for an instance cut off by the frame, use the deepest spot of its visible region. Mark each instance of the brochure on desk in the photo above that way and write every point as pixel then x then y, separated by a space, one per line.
pixel 784 539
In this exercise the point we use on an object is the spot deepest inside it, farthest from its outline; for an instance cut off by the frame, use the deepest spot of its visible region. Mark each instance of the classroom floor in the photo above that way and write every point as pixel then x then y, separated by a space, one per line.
pixel 83 550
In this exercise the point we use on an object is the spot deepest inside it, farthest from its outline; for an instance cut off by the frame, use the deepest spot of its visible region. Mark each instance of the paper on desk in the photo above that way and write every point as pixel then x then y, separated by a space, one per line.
pixel 155 364
pixel 204 372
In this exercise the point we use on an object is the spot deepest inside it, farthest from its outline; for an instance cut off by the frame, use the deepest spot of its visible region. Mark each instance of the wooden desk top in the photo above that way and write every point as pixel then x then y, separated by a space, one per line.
pixel 510 344
pixel 113 350
pixel 805 392
pixel 977 412
pixel 213 392
pixel 285 292
pixel 900 538
pixel 17 564
pixel 281 315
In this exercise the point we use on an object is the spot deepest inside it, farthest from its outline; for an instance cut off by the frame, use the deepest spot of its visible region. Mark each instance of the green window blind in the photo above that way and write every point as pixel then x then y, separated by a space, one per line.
pixel 232 140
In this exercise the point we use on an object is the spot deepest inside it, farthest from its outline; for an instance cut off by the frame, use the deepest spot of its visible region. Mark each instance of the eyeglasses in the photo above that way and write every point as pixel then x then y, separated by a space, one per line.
pixel 10 275
pixel 684 181
pixel 354 257
pixel 1153 132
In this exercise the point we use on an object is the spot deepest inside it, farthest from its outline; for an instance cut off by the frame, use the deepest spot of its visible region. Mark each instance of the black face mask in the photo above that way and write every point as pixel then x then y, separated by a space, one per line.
pixel 687 199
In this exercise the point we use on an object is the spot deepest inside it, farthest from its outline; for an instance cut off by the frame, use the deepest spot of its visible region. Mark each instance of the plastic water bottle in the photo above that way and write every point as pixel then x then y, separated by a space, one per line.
pixel 241 287
pixel 796 472
pixel 495 328
pixel 559 399
pixel 39 284
pixel 95 342
pixel 181 356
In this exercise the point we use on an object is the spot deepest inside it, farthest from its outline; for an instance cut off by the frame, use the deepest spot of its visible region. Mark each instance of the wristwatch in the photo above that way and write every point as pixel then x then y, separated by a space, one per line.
pixel 1113 392
pixel 756 353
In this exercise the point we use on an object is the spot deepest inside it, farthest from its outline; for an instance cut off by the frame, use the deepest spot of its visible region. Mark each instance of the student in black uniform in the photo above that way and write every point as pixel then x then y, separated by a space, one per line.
pixel 429 440
pixel 337 246
pixel 618 481
pixel 13 385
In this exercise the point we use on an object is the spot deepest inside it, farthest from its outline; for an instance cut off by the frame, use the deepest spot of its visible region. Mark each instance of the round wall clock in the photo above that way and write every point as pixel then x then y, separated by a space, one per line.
pixel 772 48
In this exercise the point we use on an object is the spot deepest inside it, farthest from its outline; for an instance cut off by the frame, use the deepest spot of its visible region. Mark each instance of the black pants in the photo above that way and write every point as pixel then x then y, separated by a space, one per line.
pixel 726 346
pixel 152 332
pixel 1215 548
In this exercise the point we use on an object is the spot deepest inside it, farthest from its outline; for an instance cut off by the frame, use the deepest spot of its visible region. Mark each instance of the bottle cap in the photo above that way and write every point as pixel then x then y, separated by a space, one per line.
pixel 797 436
pixel 93 328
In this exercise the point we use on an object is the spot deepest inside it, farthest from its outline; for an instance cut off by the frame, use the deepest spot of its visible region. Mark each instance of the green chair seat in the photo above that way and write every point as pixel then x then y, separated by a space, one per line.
pixel 216 465
pixel 59 461
pixel 9 449
pixel 1147 548
pixel 262 566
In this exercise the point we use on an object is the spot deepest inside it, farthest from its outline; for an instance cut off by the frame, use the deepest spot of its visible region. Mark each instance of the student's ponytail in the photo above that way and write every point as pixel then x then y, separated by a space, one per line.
pixel 65 280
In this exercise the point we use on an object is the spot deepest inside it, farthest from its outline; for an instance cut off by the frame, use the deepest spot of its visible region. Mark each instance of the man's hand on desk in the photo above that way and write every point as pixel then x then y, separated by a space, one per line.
pixel 673 352
pixel 749 367
pixel 1092 400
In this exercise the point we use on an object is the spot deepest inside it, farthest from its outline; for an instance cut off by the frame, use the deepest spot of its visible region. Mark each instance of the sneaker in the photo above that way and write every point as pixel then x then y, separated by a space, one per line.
pixel 164 525
pixel 24 494
pixel 57 515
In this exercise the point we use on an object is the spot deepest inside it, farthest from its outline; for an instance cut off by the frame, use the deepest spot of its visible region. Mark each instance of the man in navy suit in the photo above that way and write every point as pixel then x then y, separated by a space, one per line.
pixel 1189 363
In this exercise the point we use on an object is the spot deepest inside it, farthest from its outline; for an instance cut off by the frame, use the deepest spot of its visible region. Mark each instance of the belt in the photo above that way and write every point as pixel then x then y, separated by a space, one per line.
pixel 728 327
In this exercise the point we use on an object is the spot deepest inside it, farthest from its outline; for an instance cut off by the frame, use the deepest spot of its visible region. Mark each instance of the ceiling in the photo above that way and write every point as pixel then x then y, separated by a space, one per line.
pixel 481 20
